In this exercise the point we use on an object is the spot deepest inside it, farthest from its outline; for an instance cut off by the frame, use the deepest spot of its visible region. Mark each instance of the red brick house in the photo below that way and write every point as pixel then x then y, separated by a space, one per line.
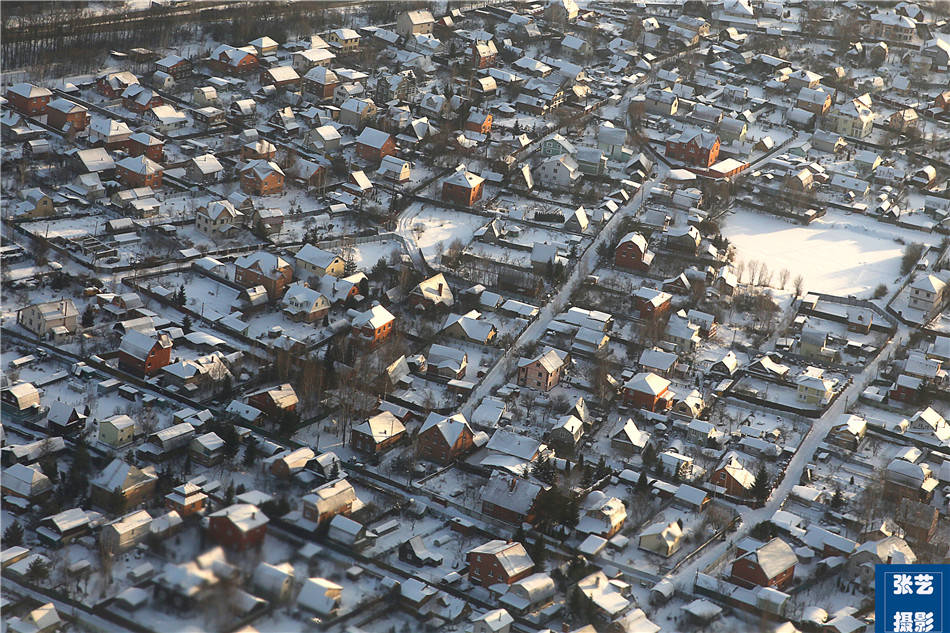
pixel 114 84
pixel 62 112
pixel 234 61
pixel 648 391
pixel 373 144
pixel 652 304
pixel 175 65
pixel 262 177
pixel 240 526
pixel 139 171
pixel 733 477
pixel 142 355
pixel 771 565
pixel 509 498
pixel 694 148
pixel 479 122
pixel 497 562
pixel 274 400
pixel 29 99
pixel 484 54
pixel 377 434
pixel 542 372
pixel 140 144
pixel 186 499
pixel 463 188
pixel 632 253
pixel 264 269
pixel 320 82
pixel 374 325
pixel 443 439
pixel 138 98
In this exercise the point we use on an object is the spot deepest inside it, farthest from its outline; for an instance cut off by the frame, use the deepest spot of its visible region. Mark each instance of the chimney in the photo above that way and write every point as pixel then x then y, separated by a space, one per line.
pixel 440 289
pixel 565 628
pixel 511 485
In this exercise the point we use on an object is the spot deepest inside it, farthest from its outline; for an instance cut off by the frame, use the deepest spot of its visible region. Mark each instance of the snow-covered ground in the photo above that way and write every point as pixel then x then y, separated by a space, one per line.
pixel 842 254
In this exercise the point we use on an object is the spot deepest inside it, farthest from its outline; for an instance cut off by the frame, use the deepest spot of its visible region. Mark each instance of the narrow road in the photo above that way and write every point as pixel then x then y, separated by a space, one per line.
pixel 586 264
pixel 683 578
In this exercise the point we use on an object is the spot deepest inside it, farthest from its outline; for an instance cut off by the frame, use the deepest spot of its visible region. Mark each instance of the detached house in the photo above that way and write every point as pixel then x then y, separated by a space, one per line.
pixel 280 77
pixel 139 171
pixel 311 261
pixel 143 144
pixel 264 269
pixel 463 188
pixel 218 218
pixel 484 53
pixel 142 355
pixel 442 439
pixel 509 498
pixel 109 133
pixel 417 22
pixel 377 434
pixel 854 118
pixel 733 477
pixel 374 325
pixel 632 253
pixel 302 303
pixel 56 319
pixel 319 83
pixel 543 372
pixel 373 144
pixel 262 177
pixel 240 526
pixel 343 40
pixel 497 562
pixel 770 565
pixel 694 148
pixel 234 61
pixel 927 294
pixel 648 391
pixel 67 116
pixel 29 99
pixel 432 292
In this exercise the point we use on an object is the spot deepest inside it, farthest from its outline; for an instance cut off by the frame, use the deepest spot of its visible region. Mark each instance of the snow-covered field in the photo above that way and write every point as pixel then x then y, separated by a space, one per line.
pixel 838 254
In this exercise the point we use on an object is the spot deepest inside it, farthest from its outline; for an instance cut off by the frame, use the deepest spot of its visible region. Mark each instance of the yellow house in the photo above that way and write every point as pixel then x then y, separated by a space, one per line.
pixel 315 262
pixel 344 40
pixel 813 387
pixel 117 431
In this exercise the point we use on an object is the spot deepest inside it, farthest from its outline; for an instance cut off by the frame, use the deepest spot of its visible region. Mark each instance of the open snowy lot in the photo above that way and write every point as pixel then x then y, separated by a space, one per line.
pixel 842 254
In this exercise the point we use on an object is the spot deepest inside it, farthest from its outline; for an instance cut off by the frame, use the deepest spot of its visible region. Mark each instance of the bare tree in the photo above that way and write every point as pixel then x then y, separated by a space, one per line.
pixel 799 285
pixel 753 271
pixel 783 278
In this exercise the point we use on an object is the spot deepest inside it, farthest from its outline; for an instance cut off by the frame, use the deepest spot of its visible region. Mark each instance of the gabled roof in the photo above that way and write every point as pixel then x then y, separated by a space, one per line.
pixel 381 426
pixel 648 382
pixel 449 427
pixel 371 137
pixel 464 178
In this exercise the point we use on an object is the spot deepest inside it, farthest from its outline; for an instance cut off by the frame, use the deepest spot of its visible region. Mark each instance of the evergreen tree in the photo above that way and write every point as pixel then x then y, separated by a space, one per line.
pixel 250 453
pixel 13 535
pixel 181 298
pixel 38 570
pixel 88 316
pixel 761 486
pixel 186 323
pixel 837 500
pixel 539 553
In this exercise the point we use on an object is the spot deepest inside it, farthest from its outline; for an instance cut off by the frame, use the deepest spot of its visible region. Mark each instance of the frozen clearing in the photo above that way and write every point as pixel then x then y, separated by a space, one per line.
pixel 838 254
